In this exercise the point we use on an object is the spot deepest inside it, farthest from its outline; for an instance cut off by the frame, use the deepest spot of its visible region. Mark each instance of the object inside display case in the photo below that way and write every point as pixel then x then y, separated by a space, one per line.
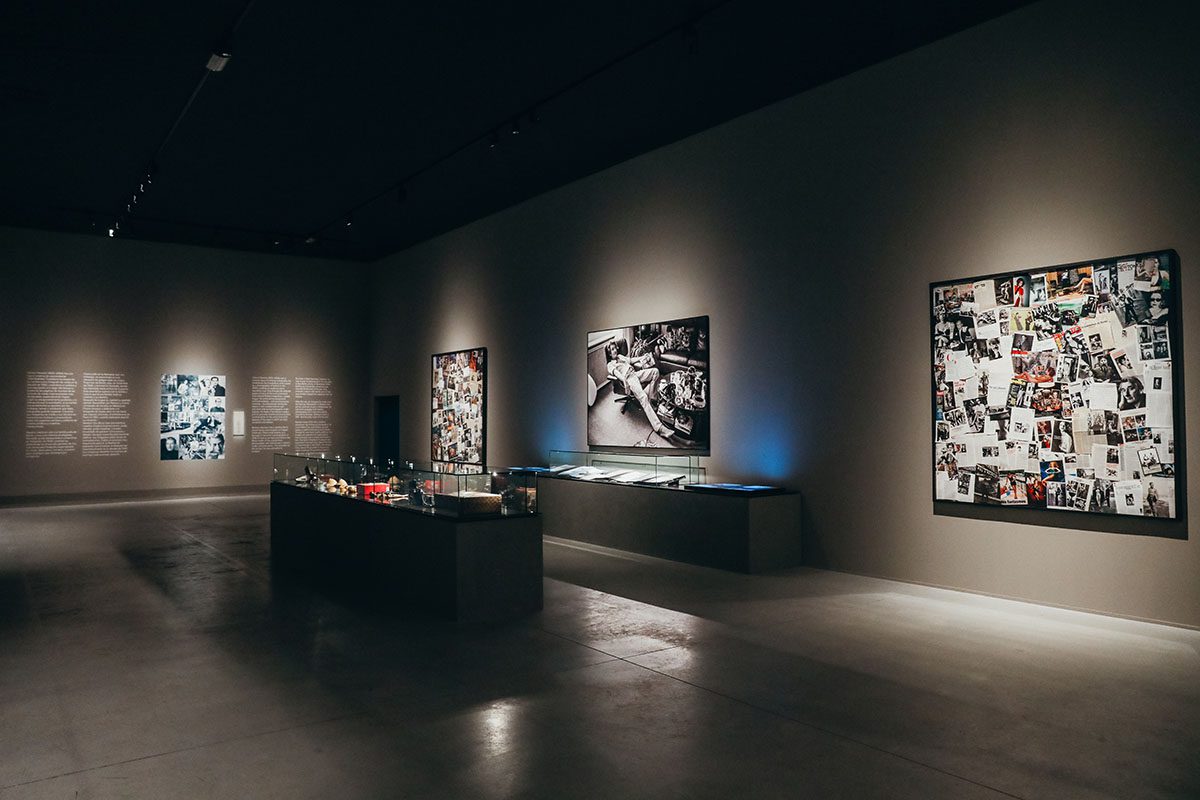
pixel 630 469
pixel 428 488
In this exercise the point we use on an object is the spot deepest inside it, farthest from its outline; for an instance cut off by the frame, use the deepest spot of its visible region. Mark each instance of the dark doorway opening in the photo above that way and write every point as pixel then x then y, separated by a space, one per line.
pixel 387 429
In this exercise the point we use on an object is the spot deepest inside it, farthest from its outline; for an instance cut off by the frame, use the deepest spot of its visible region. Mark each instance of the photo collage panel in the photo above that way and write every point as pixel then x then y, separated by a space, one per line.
pixel 460 406
pixel 193 418
pixel 1054 388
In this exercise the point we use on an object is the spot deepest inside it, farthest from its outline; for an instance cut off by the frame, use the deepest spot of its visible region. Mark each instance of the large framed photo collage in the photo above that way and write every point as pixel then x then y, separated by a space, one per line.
pixel 1058 388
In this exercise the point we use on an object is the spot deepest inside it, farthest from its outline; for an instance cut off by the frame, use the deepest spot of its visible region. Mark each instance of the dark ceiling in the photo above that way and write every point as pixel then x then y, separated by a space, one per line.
pixel 395 117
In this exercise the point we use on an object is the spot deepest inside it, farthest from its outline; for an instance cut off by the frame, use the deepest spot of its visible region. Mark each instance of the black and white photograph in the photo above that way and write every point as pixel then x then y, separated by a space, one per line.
pixel 1076 361
pixel 1079 493
pixel 1056 495
pixel 648 384
pixel 987 484
pixel 1103 497
pixel 1149 462
pixel 459 424
pixel 1158 497
pixel 193 417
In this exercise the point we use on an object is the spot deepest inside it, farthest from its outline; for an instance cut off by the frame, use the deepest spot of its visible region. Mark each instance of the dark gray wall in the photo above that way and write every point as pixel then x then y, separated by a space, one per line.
pixel 91 304
pixel 809 232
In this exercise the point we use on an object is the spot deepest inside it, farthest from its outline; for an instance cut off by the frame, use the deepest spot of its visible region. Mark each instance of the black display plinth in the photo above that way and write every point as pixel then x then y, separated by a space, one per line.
pixel 733 532
pixel 468 570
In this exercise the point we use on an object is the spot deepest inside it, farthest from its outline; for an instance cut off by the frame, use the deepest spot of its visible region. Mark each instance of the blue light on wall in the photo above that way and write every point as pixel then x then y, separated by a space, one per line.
pixel 553 429
pixel 766 445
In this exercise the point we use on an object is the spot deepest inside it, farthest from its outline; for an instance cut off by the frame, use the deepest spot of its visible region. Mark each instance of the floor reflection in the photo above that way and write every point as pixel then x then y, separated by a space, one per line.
pixel 148 650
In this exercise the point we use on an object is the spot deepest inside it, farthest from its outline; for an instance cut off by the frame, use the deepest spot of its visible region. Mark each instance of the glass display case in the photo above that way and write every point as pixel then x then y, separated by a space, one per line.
pixel 429 488
pixel 641 469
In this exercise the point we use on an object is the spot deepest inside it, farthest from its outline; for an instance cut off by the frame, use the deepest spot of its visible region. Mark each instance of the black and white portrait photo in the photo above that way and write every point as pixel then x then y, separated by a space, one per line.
pixel 648 385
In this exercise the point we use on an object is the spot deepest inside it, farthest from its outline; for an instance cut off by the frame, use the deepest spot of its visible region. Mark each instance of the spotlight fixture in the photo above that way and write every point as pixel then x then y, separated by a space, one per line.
pixel 349 222
pixel 311 240
pixel 218 60
pixel 493 140
pixel 515 128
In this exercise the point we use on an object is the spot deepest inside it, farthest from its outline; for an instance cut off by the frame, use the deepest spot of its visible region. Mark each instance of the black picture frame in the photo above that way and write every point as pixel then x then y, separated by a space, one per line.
pixel 1091 302
pixel 688 421
pixel 445 397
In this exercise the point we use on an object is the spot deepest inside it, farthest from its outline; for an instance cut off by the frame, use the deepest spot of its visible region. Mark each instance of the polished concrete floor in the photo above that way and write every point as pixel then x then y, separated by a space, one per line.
pixel 145 653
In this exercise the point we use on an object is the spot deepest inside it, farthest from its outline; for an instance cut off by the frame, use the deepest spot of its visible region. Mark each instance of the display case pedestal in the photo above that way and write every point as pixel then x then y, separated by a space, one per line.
pixel 462 569
pixel 733 532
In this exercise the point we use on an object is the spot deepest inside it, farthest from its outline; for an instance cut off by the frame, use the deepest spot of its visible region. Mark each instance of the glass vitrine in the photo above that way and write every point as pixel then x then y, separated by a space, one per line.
pixel 642 469
pixel 440 489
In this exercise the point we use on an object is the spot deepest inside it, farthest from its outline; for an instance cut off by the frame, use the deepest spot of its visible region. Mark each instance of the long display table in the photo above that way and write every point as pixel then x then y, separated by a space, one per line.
pixel 459 568
pixel 744 533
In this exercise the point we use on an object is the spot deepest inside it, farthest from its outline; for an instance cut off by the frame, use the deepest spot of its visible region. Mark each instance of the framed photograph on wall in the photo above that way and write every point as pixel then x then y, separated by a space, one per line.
pixel 648 386
pixel 1059 388
pixel 459 423
pixel 193 417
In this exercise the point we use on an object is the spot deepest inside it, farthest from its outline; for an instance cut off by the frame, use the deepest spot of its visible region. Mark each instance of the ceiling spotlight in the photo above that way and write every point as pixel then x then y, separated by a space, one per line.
pixel 516 127
pixel 218 60
pixel 493 140
pixel 311 240
pixel 349 222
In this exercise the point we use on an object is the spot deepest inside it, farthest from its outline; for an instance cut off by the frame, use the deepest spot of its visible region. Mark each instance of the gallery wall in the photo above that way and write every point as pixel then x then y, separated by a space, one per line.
pixel 89 305
pixel 809 233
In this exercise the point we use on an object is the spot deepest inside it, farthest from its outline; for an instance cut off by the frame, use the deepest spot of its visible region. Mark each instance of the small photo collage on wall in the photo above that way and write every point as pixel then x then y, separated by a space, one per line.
pixel 1055 388
pixel 193 417
pixel 459 428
